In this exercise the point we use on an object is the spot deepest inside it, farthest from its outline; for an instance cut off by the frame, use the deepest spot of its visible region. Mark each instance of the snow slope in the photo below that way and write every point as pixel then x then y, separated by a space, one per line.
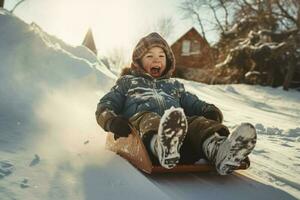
pixel 52 148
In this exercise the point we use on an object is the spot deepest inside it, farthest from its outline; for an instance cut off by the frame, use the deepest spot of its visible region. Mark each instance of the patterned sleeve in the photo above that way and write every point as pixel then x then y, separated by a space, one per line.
pixel 111 104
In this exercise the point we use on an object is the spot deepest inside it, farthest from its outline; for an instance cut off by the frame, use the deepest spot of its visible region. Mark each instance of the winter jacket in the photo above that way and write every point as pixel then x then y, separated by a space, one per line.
pixel 137 93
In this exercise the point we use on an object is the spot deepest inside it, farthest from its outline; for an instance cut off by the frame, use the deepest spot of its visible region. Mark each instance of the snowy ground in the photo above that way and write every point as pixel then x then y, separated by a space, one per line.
pixel 52 148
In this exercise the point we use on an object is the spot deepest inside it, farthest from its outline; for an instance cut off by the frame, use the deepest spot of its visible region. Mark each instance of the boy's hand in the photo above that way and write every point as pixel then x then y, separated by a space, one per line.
pixel 120 127
pixel 213 113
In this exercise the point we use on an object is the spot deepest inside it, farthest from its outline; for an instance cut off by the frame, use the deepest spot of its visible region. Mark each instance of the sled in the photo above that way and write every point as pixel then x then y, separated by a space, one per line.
pixel 134 151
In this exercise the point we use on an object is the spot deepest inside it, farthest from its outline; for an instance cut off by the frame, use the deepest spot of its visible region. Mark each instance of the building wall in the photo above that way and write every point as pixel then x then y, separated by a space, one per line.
pixel 193 60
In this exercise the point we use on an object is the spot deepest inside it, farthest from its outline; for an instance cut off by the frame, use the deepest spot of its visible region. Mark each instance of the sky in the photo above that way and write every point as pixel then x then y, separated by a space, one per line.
pixel 115 23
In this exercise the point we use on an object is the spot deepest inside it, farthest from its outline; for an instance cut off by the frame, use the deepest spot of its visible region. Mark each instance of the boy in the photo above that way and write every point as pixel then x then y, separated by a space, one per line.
pixel 147 98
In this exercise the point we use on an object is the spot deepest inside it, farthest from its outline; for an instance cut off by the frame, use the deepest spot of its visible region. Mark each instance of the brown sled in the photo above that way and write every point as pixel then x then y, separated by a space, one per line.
pixel 133 150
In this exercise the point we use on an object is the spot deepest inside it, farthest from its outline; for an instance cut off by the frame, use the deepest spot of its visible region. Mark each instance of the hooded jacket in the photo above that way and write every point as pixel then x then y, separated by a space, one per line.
pixel 137 91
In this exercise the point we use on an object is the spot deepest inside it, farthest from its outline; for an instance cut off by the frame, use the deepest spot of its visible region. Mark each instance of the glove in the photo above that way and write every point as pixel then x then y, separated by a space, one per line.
pixel 120 127
pixel 213 113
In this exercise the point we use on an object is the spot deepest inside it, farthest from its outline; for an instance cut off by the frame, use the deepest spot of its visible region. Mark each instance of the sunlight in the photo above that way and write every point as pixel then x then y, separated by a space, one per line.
pixel 115 23
pixel 69 125
pixel 111 21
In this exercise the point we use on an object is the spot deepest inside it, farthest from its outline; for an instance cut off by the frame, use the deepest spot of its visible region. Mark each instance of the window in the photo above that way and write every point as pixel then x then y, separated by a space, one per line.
pixel 190 47
pixel 195 47
pixel 186 45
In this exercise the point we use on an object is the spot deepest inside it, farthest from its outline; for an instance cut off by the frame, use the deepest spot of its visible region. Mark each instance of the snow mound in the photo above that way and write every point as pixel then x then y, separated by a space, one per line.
pixel 35 66
pixel 6 168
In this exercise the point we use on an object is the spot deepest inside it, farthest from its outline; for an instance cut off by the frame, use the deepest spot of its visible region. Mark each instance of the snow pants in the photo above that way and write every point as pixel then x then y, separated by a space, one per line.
pixel 199 129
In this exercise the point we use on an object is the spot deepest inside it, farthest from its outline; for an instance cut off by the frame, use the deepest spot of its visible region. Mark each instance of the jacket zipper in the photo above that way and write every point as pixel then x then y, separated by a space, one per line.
pixel 159 99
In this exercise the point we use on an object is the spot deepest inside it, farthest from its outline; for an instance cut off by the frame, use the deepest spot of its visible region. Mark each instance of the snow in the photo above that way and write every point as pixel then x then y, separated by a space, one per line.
pixel 52 148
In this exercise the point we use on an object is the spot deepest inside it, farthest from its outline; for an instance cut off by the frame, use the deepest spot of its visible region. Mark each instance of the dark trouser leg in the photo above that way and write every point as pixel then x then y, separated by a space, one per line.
pixel 199 129
pixel 146 123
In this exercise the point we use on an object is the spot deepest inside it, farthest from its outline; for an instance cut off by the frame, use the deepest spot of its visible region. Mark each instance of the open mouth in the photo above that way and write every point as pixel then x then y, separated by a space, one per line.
pixel 155 70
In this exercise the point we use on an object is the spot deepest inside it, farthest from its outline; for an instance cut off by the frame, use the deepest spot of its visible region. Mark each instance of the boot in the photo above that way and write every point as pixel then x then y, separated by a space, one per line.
pixel 227 153
pixel 171 133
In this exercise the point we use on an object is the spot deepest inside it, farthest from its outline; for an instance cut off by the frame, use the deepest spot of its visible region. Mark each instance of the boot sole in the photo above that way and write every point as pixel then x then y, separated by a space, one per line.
pixel 171 134
pixel 241 143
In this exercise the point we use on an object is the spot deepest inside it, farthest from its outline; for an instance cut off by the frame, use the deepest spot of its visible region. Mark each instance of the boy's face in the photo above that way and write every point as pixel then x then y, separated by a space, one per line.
pixel 154 62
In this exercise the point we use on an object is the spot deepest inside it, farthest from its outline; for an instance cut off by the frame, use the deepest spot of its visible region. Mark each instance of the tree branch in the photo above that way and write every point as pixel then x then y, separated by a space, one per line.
pixel 216 18
pixel 16 5
pixel 222 3
pixel 189 8
pixel 200 23
pixel 285 12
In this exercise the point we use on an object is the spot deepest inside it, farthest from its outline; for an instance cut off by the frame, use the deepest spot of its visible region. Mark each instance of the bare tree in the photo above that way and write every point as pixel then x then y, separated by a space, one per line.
pixel 218 9
pixel 17 4
pixel 288 10
pixel 190 9
pixel 117 58
pixel 214 9
pixel 271 13
pixel 165 26
pixel 224 6
pixel 258 37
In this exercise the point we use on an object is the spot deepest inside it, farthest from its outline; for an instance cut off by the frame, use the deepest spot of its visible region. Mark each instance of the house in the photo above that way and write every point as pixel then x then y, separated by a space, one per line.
pixel 89 41
pixel 192 52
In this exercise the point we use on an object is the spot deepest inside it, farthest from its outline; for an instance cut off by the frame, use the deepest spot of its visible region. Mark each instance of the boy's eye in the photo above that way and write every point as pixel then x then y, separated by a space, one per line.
pixel 149 56
pixel 162 56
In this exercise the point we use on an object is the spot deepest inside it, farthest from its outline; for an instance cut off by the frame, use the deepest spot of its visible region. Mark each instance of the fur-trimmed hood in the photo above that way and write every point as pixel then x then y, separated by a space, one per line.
pixel 142 47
